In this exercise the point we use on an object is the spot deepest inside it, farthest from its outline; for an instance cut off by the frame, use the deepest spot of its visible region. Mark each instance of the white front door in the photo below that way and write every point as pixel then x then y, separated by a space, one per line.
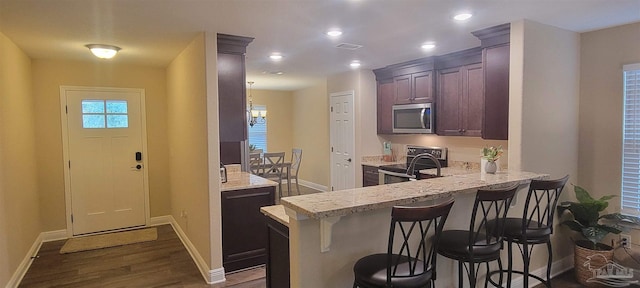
pixel 342 141
pixel 105 158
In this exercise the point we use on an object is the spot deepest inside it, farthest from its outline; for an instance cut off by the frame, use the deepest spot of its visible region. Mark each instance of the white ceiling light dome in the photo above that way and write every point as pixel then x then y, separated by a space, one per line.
pixel 103 51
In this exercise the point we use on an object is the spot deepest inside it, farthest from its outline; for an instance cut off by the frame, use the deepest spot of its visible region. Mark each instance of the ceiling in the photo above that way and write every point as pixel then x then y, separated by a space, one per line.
pixel 390 31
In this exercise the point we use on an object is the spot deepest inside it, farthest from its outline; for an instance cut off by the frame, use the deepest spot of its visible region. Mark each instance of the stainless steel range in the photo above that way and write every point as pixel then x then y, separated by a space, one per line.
pixel 400 172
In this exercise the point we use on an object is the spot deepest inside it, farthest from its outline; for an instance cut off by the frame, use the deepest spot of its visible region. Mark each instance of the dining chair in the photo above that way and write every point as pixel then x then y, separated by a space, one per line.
pixel 273 168
pixel 296 159
pixel 255 163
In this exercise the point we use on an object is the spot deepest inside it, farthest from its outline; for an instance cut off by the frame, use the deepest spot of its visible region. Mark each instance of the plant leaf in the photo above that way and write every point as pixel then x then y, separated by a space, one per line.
pixel 573 225
pixel 607 198
pixel 595 234
pixel 582 195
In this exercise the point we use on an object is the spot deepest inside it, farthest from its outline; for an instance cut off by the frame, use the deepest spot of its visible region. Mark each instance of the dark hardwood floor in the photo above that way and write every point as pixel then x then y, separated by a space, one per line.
pixel 161 263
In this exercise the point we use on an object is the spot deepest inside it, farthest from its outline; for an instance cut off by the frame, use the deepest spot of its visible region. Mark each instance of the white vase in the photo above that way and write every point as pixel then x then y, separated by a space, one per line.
pixel 483 165
pixel 491 167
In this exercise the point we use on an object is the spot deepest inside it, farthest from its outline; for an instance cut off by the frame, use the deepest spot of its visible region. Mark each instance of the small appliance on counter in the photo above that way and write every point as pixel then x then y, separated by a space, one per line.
pixel 398 172
pixel 223 173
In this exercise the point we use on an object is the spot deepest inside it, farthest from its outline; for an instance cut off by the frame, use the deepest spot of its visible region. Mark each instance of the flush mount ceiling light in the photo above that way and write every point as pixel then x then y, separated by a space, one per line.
pixel 462 16
pixel 428 46
pixel 334 32
pixel 276 56
pixel 103 51
pixel 355 64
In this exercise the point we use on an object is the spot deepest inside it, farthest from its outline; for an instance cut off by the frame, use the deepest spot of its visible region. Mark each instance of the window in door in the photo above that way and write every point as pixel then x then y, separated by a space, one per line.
pixel 631 141
pixel 104 114
pixel 258 133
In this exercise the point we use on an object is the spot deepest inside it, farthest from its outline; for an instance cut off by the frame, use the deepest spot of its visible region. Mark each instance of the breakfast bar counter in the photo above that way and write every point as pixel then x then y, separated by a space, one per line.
pixel 345 202
pixel 330 231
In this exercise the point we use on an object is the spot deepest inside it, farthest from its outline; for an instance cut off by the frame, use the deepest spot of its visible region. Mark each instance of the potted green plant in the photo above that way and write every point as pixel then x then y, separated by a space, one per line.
pixel 491 154
pixel 593 227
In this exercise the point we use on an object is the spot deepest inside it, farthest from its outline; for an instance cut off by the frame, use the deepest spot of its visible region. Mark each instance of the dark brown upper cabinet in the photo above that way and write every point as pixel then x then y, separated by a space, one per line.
pixel 495 60
pixel 232 103
pixel 460 93
pixel 232 87
pixel 460 101
pixel 404 83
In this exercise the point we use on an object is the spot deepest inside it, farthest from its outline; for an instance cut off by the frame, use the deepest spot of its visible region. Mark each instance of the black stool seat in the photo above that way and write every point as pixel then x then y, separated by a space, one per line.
pixel 372 272
pixel 411 263
pixel 455 245
pixel 535 233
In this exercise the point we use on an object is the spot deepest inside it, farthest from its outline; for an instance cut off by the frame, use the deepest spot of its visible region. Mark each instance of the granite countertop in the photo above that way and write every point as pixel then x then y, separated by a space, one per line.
pixel 345 202
pixel 244 180
pixel 277 213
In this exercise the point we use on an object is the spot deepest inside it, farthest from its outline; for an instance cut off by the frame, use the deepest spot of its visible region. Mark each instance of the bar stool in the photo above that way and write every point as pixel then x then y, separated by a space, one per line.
pixel 406 266
pixel 481 243
pixel 534 227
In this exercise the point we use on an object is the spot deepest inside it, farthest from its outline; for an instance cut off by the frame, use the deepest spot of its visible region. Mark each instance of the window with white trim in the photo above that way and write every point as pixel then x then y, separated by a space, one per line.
pixel 258 133
pixel 631 141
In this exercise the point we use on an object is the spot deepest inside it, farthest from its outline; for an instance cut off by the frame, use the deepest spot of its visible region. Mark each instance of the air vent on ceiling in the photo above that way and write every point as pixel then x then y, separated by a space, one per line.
pixel 348 46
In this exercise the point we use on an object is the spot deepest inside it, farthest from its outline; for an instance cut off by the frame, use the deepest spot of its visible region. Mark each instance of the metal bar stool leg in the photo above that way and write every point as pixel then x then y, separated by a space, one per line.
pixel 549 250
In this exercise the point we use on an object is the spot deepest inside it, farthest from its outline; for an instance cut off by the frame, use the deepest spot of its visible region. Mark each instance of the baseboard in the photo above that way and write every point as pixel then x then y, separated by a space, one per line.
pixel 557 268
pixel 160 220
pixel 22 269
pixel 54 235
pixel 210 276
pixel 314 185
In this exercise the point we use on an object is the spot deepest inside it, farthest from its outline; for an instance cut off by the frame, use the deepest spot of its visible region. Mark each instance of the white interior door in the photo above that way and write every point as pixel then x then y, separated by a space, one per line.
pixel 342 141
pixel 106 158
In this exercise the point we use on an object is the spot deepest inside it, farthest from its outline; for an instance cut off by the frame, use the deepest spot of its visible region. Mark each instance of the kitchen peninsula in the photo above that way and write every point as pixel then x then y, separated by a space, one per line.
pixel 243 195
pixel 329 231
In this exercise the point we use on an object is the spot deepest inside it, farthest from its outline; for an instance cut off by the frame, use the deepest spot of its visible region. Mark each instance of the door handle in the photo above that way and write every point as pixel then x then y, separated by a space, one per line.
pixel 137 167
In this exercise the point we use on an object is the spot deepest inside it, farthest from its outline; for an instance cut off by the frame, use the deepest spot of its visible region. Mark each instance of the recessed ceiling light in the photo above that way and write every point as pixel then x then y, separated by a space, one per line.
pixel 462 16
pixel 428 46
pixel 334 32
pixel 355 64
pixel 103 51
pixel 276 56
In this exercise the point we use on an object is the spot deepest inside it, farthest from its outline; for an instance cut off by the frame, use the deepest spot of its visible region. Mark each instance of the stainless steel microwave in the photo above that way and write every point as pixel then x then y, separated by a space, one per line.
pixel 412 118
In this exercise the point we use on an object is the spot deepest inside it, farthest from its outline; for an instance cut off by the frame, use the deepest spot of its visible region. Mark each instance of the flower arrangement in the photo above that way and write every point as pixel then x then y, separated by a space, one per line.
pixel 492 154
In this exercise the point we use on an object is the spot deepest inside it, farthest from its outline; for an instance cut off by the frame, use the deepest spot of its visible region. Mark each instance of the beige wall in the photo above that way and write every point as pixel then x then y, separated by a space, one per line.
pixel 20 218
pixel 543 112
pixel 48 76
pixel 602 55
pixel 311 132
pixel 188 147
pixel 279 118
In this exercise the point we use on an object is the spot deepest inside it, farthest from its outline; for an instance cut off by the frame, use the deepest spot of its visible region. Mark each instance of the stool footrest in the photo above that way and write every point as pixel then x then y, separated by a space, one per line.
pixel 548 285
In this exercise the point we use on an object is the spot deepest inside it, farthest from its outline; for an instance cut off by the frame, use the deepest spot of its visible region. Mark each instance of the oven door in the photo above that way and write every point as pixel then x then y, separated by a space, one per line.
pixel 388 177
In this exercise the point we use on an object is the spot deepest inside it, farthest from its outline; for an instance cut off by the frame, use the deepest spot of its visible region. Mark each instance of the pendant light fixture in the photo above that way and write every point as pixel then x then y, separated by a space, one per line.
pixel 255 116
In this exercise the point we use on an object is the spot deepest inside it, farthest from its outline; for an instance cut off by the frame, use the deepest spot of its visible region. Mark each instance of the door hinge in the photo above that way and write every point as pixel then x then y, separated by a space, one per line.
pixel 331 188
pixel 331 108
pixel 331 149
pixel 66 109
pixel 69 164
pixel 71 218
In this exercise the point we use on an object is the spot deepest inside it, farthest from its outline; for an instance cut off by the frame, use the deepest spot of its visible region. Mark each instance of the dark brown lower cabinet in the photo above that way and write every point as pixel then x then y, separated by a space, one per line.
pixel 277 254
pixel 369 176
pixel 244 244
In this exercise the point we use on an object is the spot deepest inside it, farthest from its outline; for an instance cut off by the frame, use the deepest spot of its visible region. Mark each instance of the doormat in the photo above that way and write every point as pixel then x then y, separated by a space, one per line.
pixel 109 240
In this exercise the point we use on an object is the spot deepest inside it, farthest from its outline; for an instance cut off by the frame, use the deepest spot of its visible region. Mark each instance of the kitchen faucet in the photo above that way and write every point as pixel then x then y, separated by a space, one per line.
pixel 410 169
